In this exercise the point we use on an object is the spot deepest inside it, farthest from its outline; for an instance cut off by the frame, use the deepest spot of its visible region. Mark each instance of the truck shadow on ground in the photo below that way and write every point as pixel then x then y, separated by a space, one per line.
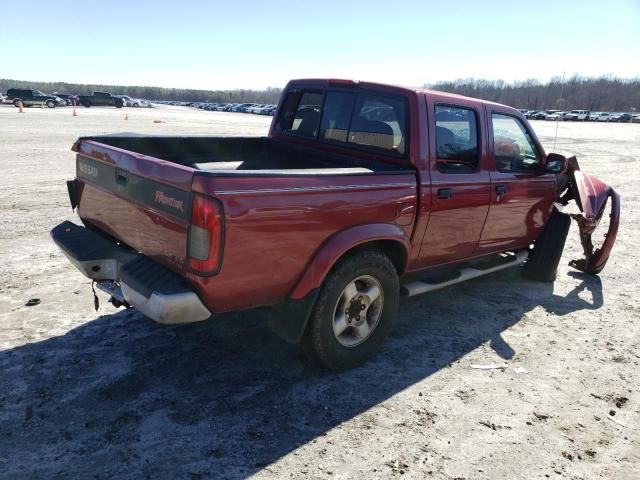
pixel 123 397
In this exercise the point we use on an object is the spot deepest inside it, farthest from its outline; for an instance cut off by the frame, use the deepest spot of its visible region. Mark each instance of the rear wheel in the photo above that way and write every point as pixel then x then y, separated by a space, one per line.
pixel 354 311
pixel 86 103
pixel 51 103
pixel 16 103
pixel 543 260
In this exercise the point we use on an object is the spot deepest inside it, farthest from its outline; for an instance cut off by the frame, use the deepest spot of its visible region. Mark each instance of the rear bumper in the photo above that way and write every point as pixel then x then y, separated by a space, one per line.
pixel 129 276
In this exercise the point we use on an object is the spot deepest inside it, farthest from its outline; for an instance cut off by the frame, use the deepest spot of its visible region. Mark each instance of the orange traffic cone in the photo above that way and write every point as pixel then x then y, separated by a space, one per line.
pixel 20 107
pixel 126 116
pixel 73 102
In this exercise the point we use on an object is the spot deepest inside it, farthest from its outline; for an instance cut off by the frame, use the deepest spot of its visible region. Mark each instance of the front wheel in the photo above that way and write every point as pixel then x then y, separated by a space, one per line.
pixel 542 264
pixel 354 312
pixel 51 103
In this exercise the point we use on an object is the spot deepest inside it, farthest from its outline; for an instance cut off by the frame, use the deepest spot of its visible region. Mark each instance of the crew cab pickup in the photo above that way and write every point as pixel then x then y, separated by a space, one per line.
pixel 360 194
pixel 101 99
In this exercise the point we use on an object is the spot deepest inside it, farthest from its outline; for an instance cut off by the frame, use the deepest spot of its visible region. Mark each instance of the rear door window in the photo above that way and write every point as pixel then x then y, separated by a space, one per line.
pixel 456 139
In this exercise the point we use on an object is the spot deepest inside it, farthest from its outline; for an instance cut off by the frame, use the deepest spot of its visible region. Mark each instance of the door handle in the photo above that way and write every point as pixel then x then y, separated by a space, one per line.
pixel 445 193
pixel 501 190
pixel 405 210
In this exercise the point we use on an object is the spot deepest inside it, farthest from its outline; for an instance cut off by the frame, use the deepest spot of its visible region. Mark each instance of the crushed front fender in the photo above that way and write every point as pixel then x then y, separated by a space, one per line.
pixel 592 197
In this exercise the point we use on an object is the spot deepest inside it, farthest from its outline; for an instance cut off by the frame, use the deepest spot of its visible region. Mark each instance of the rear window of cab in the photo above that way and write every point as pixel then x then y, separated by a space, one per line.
pixel 362 119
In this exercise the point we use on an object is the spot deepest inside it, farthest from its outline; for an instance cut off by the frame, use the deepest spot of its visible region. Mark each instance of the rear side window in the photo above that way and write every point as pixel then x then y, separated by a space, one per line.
pixel 456 139
pixel 368 120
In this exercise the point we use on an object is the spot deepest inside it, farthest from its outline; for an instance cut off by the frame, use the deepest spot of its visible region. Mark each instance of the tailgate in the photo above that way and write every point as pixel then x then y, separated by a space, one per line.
pixel 142 201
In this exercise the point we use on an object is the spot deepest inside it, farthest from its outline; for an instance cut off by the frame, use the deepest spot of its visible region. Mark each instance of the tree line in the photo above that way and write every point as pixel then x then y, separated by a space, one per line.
pixel 584 93
pixel 269 95
pixel 606 93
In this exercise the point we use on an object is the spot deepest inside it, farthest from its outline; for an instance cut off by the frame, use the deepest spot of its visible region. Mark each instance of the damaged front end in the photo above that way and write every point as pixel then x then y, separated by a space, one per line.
pixel 592 196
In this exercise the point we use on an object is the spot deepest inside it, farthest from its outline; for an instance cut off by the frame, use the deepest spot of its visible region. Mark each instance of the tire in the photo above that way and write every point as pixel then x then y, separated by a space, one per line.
pixel 16 101
pixel 51 104
pixel 543 261
pixel 365 271
pixel 118 105
pixel 86 104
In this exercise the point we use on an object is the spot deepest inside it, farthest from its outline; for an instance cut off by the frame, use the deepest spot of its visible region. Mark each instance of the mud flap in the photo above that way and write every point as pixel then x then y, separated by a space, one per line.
pixel 289 319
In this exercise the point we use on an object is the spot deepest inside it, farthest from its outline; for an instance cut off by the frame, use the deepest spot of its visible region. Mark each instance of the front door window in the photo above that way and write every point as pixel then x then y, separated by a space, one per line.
pixel 514 149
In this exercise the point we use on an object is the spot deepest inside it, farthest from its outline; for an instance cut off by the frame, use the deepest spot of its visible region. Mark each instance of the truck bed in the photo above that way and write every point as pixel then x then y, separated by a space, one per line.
pixel 249 155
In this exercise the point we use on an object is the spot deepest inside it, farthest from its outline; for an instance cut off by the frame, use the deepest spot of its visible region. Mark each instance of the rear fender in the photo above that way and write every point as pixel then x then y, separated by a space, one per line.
pixel 591 196
pixel 339 244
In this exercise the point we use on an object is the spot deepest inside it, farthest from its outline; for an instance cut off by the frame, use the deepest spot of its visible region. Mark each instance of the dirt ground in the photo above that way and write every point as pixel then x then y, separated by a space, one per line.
pixel 110 394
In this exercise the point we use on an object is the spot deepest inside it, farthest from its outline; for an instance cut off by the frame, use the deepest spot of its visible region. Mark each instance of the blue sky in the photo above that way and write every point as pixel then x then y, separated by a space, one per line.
pixel 252 44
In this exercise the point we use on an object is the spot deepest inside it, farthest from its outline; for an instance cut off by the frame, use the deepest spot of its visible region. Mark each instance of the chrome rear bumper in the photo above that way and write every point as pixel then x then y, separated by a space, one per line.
pixel 119 273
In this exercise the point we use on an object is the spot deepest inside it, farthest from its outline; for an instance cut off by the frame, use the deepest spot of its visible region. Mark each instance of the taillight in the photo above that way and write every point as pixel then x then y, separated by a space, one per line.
pixel 205 235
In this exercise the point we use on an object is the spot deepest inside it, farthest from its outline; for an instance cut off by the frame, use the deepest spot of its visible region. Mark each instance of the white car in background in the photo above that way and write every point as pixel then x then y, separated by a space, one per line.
pixel 554 115
pixel 128 101
pixel 603 117
pixel 580 115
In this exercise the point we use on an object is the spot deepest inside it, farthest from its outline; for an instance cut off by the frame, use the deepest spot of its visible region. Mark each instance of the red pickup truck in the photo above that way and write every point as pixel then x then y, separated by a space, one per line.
pixel 360 194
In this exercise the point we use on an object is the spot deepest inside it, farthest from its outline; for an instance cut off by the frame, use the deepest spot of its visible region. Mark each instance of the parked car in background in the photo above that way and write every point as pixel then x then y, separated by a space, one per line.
pixel 265 110
pixel 635 119
pixel 30 98
pixel 70 99
pixel 554 115
pixel 537 115
pixel 242 107
pixel 575 115
pixel 101 99
pixel 128 101
pixel 603 117
pixel 621 117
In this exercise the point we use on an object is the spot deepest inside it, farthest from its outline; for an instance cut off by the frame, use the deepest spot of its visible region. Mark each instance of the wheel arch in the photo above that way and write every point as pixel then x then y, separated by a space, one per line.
pixel 388 238
pixel 289 319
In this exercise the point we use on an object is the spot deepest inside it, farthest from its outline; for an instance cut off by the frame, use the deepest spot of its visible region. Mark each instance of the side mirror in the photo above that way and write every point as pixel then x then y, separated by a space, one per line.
pixel 556 163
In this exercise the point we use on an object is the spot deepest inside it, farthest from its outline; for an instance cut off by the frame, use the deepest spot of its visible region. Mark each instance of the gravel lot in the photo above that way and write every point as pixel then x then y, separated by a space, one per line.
pixel 110 394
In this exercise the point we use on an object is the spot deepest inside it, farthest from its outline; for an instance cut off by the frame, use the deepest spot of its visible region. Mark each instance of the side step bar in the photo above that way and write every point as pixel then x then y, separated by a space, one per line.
pixel 417 287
